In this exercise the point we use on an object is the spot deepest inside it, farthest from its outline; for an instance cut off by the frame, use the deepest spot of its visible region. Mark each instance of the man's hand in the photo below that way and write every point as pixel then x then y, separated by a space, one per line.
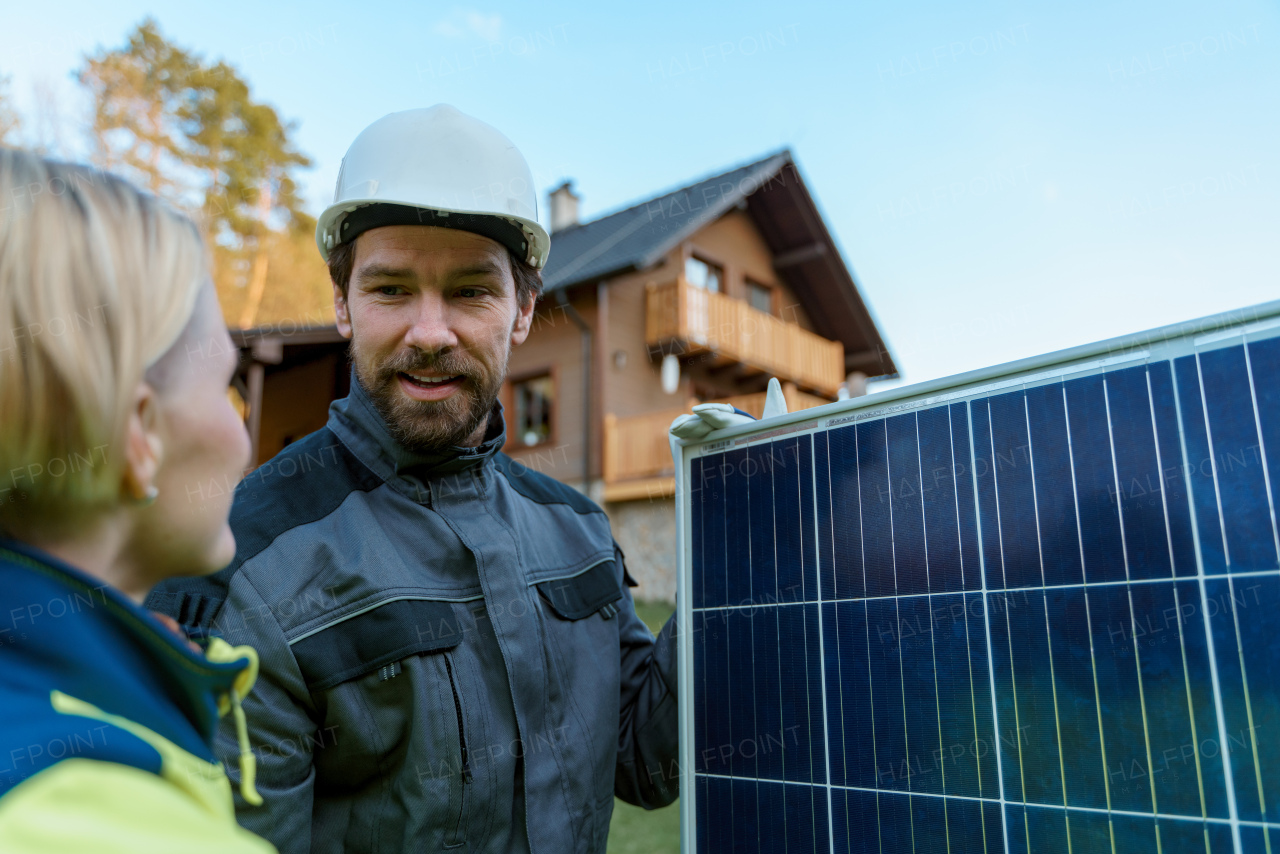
pixel 708 417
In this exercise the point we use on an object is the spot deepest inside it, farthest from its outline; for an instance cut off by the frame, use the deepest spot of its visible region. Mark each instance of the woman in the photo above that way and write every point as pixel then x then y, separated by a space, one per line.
pixel 114 422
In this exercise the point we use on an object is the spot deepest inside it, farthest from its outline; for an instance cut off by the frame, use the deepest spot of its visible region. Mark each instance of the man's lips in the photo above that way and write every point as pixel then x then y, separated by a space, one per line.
pixel 429 390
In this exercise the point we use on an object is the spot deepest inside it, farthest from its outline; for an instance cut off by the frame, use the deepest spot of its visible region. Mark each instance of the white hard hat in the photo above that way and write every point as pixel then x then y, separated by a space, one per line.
pixel 436 166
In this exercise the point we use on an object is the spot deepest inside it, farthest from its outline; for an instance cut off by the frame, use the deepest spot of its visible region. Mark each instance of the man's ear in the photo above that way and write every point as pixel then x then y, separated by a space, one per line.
pixel 143 447
pixel 524 319
pixel 341 312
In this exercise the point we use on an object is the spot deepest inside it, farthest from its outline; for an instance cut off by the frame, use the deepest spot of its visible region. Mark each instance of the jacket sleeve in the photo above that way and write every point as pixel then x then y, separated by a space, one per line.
pixel 647 773
pixel 282 732
pixel 83 805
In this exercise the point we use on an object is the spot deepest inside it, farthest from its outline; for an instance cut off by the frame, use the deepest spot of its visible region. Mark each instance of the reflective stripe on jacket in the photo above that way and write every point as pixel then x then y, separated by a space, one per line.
pixel 450 655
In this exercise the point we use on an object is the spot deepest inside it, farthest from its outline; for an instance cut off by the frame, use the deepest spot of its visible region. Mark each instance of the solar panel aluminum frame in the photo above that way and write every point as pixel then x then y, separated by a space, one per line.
pixel 1164 343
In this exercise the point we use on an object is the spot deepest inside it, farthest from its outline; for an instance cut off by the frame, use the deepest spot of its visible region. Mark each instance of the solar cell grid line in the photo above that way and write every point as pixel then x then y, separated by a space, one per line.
pixel 1154 485
pixel 986 623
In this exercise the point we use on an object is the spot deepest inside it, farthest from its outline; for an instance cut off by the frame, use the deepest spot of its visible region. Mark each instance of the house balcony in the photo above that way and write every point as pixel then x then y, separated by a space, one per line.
pixel 686 320
pixel 637 455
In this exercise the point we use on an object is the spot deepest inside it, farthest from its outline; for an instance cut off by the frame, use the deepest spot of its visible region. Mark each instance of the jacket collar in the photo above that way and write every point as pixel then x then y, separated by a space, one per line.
pixel 126 635
pixel 356 422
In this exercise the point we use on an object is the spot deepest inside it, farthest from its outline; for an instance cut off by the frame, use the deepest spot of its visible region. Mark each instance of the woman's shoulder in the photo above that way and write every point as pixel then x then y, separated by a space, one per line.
pixel 85 804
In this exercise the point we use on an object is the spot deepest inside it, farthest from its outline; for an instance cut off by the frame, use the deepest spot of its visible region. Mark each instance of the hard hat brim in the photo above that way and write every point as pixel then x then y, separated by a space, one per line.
pixel 343 223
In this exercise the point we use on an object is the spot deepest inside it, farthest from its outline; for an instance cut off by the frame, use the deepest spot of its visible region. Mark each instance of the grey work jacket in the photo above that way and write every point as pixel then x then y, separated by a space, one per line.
pixel 450 656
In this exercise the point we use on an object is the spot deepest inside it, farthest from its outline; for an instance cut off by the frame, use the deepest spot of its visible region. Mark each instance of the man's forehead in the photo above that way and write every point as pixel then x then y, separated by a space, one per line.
pixel 427 245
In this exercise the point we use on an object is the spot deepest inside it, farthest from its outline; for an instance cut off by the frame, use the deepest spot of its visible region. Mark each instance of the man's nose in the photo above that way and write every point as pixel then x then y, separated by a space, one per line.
pixel 431 329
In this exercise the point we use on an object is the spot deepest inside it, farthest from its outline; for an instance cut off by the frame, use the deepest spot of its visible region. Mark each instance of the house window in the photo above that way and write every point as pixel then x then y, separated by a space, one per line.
pixel 760 296
pixel 703 274
pixel 533 402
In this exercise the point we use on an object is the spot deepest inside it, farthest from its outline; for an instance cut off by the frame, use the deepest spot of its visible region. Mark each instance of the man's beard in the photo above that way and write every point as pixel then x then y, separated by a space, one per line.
pixel 425 426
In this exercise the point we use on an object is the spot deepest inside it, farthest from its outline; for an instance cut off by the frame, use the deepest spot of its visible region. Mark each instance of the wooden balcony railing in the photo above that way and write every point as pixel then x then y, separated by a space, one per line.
pixel 637 455
pixel 684 319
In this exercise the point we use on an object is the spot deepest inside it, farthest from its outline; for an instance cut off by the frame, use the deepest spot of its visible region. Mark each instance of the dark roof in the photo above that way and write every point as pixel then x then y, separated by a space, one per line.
pixel 638 236
pixel 771 189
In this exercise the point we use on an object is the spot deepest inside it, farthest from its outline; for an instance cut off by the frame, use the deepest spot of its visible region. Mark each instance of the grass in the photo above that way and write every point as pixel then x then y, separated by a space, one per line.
pixel 635 830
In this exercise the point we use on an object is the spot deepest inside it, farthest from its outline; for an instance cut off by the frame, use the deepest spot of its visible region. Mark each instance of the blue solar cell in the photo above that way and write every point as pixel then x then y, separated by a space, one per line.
pixel 965 510
pixel 848 694
pixel 906 507
pixel 929 823
pixel 1169 716
pixel 1137 492
pixel 702 709
pixel 957 757
pixel 772 807
pixel 1132 833
pixel 1054 497
pixel 801 698
pixel 1028 736
pixel 1237 741
pixel 920 695
pixel 1264 361
pixel 846 514
pixel 888 714
pixel 1256 604
pixel 746 816
pixel 896 830
pixel 1034 580
pixel 965 830
pixel 1199 466
pixel 702 813
pixel 987 505
pixel 877 519
pixel 1095 479
pixel 938 494
pixel 806 818
pixel 1173 481
pixel 1084 772
pixel 1015 498
pixel 1251 543
pixel 855 822
pixel 769 728
pixel 1204 758
pixel 1120 697
pixel 742 693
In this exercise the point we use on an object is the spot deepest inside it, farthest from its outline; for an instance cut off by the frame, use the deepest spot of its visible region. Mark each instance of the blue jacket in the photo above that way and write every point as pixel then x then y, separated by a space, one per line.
pixel 109 720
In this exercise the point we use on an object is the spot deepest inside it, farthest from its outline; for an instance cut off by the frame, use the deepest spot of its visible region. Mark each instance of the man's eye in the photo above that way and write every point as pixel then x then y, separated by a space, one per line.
pixel 390 290
pixel 468 293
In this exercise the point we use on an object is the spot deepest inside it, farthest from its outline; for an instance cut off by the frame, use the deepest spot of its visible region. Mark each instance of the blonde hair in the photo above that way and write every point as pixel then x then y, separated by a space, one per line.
pixel 97 282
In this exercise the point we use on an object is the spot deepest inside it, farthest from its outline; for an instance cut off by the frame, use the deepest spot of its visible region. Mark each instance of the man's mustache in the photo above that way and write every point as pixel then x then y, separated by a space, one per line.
pixel 451 363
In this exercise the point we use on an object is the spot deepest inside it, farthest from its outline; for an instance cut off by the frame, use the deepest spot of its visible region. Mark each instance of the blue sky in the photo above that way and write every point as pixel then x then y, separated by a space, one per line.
pixel 1005 179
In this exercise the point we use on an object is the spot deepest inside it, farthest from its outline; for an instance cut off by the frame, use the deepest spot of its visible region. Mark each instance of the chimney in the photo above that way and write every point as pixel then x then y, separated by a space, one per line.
pixel 564 207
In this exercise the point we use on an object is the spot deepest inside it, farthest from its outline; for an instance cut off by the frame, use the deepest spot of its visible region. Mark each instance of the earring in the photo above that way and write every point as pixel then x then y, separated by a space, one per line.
pixel 149 497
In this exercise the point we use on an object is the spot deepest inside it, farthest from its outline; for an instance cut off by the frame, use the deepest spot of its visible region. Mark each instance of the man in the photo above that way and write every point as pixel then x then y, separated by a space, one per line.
pixel 450 654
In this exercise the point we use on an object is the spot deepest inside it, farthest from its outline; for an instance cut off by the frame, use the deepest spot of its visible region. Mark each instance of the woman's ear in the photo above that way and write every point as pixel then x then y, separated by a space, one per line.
pixel 143 447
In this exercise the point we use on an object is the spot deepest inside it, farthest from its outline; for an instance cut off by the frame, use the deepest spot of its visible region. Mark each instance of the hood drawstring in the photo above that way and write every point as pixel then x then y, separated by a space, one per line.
pixel 219 651
pixel 248 762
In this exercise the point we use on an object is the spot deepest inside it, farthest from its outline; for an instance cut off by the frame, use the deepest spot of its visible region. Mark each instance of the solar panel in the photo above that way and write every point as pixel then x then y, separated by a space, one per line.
pixel 1029 609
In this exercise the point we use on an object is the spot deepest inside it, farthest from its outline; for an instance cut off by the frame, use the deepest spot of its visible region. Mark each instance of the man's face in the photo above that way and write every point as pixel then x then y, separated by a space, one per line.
pixel 432 316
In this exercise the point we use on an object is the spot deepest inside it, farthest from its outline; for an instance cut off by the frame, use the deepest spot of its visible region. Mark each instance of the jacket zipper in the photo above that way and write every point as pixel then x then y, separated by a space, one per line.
pixel 462 734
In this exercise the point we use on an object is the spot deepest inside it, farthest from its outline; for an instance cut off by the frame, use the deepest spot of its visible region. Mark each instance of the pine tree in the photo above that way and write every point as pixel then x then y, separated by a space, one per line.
pixel 138 97
pixel 191 131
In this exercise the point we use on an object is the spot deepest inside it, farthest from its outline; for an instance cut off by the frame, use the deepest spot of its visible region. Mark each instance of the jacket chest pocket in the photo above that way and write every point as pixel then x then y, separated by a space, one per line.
pixel 394 689
pixel 579 596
